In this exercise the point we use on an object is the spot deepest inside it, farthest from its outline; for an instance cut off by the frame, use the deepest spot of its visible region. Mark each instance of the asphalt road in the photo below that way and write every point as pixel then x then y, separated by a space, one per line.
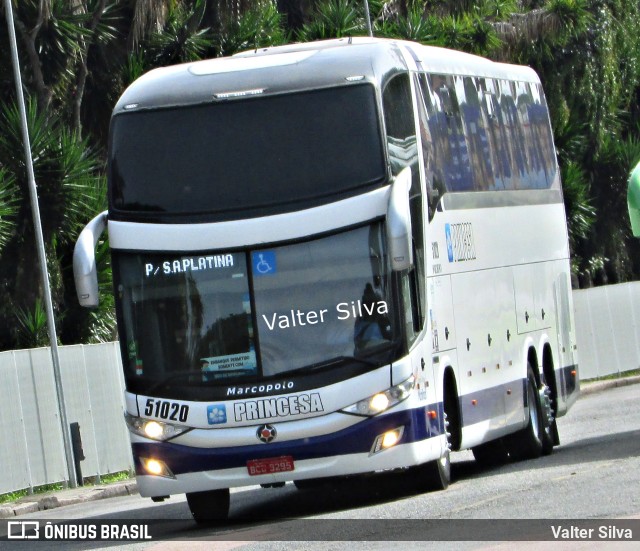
pixel 594 474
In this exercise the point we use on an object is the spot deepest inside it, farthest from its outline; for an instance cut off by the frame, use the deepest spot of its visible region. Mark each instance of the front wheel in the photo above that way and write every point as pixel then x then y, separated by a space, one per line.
pixel 435 475
pixel 209 507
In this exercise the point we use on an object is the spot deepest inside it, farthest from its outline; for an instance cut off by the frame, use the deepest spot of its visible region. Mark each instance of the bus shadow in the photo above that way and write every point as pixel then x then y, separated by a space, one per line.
pixel 347 493
pixel 255 511
pixel 621 445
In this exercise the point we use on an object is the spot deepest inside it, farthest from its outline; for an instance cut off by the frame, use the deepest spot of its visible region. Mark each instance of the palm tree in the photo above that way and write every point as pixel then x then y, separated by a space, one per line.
pixel 67 173
pixel 8 206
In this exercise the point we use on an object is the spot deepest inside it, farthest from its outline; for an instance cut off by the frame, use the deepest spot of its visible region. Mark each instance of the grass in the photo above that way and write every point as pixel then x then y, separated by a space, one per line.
pixel 620 375
pixel 46 488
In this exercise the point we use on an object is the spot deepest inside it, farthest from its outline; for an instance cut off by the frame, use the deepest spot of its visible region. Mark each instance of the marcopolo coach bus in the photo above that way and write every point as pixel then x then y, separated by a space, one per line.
pixel 331 259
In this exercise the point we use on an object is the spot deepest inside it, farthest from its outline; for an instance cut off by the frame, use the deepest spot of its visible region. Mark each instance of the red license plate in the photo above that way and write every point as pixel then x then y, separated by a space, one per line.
pixel 270 465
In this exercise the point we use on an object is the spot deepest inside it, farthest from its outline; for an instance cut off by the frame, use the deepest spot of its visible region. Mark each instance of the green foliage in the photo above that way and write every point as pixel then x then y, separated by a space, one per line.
pixel 120 476
pixel 64 168
pixel 133 68
pixel 70 191
pixel 415 27
pixel 497 10
pixel 8 206
pixel 333 19
pixel 572 16
pixel 32 326
pixel 258 27
pixel 581 214
pixel 468 33
pixel 180 39
pixel 60 36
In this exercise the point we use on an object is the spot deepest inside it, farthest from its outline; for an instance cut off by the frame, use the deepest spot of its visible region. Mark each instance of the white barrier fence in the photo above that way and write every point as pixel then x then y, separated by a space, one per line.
pixel 31 446
pixel 31 449
pixel 607 329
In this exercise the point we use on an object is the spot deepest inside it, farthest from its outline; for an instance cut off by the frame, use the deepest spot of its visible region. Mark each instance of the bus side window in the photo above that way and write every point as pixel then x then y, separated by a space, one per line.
pixel 469 92
pixel 512 137
pixel 434 181
pixel 542 134
pixel 403 152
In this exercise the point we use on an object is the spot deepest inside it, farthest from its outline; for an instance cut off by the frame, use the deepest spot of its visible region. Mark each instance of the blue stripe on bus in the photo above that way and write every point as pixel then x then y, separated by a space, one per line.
pixel 358 438
pixel 489 402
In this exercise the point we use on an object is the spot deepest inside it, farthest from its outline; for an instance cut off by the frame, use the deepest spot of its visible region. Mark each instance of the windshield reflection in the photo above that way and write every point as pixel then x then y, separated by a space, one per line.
pixel 325 298
pixel 229 317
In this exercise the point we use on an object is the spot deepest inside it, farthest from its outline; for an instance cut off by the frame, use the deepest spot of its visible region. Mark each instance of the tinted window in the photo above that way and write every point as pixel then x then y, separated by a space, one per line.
pixel 247 157
pixel 403 152
pixel 189 322
pixel 484 134
pixel 324 299
pixel 185 318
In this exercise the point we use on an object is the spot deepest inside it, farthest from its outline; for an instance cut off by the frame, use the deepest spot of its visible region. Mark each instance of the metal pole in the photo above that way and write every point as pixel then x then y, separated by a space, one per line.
pixel 368 17
pixel 42 257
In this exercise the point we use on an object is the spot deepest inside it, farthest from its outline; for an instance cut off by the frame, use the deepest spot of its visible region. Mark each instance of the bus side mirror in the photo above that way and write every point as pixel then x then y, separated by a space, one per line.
pixel 399 222
pixel 84 261
pixel 633 200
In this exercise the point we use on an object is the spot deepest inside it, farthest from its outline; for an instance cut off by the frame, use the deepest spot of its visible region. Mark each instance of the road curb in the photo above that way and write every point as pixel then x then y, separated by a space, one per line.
pixel 599 386
pixel 33 504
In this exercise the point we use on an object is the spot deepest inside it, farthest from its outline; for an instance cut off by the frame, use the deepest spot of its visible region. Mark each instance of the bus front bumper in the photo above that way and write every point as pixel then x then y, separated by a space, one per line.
pixel 354 450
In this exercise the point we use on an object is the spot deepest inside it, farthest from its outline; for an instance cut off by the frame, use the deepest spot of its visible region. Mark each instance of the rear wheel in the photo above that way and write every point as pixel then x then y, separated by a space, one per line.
pixel 550 436
pixel 528 443
pixel 209 507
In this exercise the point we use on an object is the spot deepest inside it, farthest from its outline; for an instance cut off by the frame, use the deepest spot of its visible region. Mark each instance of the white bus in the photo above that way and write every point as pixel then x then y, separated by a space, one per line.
pixel 331 259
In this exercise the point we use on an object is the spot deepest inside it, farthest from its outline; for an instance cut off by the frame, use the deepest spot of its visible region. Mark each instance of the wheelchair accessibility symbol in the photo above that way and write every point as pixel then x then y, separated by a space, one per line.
pixel 264 263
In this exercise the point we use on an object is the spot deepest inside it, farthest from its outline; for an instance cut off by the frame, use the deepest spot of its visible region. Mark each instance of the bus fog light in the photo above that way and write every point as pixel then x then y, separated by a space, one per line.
pixel 390 438
pixel 156 467
pixel 387 440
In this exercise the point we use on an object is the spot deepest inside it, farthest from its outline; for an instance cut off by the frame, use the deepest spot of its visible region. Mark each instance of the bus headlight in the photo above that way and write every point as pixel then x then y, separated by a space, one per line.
pixel 382 401
pixel 155 430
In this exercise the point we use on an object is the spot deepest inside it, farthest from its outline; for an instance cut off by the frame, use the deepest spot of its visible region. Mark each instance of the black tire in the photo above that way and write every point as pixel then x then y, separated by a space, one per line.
pixel 550 437
pixel 209 507
pixel 528 443
pixel 547 438
pixel 435 475
pixel 491 454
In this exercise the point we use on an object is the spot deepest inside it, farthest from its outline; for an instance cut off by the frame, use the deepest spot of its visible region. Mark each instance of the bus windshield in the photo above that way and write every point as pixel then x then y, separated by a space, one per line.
pixel 247 157
pixel 219 317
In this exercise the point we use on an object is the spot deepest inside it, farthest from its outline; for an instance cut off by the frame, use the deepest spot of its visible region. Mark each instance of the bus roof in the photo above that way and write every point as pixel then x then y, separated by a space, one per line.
pixel 304 66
